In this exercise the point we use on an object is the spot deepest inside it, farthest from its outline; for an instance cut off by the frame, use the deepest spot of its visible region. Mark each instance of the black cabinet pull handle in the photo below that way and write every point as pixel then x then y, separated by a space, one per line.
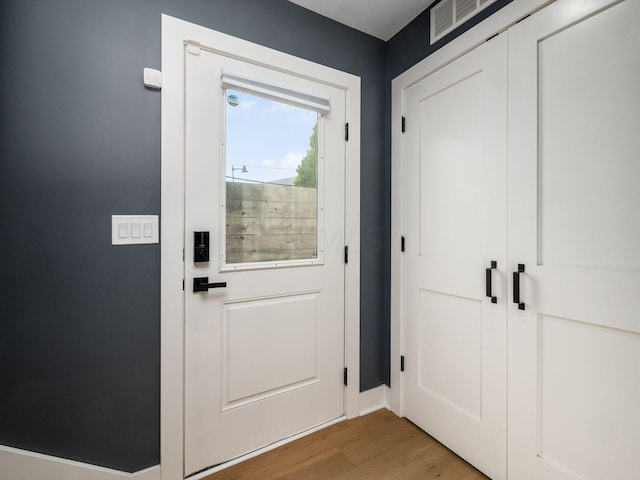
pixel 201 284
pixel 516 286
pixel 488 288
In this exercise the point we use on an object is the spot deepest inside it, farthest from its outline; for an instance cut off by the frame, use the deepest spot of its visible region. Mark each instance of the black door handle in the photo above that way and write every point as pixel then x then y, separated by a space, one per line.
pixel 201 284
pixel 488 288
pixel 516 286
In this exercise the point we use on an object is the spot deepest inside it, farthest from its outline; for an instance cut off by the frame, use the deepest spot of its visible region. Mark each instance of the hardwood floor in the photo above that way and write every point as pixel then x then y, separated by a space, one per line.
pixel 376 446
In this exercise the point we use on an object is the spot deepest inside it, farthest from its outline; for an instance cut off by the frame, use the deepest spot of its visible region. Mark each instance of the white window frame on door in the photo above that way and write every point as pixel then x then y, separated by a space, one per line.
pixel 495 24
pixel 175 33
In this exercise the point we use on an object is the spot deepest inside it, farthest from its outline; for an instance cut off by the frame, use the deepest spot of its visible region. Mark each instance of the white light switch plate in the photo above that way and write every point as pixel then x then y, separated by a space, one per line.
pixel 134 229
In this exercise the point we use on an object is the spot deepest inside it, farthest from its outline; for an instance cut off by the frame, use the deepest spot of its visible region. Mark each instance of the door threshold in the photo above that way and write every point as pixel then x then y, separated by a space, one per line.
pixel 234 461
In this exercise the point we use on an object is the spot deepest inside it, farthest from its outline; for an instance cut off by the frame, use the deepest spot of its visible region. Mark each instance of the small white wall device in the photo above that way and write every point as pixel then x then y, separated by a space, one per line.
pixel 152 78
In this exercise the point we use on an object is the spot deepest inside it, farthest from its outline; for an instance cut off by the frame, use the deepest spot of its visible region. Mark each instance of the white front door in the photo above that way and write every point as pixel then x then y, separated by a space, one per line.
pixel 574 223
pixel 454 188
pixel 264 341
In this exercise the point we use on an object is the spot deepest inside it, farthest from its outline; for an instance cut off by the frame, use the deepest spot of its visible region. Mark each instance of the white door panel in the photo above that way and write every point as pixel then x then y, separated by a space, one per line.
pixel 574 352
pixel 454 171
pixel 264 356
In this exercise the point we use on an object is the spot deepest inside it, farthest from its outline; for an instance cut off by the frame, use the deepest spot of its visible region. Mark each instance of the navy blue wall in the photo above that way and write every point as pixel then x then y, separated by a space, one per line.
pixel 80 141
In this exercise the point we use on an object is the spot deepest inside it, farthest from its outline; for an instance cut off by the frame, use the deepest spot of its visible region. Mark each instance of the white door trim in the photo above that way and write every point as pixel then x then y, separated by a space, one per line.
pixel 493 25
pixel 174 34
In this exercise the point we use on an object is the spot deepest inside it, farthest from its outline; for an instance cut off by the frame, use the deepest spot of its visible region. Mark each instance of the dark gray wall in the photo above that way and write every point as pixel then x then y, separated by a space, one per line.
pixel 79 141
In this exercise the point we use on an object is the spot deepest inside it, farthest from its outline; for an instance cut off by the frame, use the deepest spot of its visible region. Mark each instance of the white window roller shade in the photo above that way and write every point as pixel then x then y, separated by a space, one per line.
pixel 292 97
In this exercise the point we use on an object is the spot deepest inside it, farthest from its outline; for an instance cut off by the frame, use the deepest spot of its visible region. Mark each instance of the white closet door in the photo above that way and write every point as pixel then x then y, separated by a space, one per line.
pixel 574 222
pixel 454 179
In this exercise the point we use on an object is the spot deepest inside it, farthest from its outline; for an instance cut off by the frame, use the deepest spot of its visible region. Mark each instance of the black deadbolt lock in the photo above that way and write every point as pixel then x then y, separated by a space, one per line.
pixel 200 247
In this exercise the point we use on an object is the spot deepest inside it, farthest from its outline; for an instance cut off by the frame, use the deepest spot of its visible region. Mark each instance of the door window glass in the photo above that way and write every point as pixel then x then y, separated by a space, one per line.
pixel 271 184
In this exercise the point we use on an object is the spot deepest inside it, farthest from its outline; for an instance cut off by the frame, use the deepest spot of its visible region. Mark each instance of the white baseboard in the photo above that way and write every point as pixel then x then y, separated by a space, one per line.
pixel 16 464
pixel 374 399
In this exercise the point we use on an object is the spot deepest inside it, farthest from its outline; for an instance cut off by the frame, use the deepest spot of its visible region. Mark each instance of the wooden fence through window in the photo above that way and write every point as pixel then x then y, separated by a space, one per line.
pixel 267 222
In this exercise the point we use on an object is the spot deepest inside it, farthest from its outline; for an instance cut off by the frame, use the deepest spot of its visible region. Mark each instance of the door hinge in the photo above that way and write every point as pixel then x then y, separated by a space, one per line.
pixel 346 132
pixel 402 363
pixel 403 125
pixel 344 376
pixel 183 284
pixel 402 244
pixel 346 254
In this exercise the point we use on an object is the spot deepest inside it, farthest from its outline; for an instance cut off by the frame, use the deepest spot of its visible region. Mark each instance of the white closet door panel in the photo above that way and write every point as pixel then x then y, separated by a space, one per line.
pixel 583 420
pixel 451 186
pixel 589 144
pixel 451 328
pixel 574 356
pixel 454 170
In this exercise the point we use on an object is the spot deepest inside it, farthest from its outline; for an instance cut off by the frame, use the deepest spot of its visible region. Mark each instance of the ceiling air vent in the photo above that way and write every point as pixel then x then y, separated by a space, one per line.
pixel 449 14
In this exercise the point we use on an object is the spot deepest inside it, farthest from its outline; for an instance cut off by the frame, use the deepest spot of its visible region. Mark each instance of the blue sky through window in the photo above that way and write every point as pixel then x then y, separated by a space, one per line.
pixel 268 137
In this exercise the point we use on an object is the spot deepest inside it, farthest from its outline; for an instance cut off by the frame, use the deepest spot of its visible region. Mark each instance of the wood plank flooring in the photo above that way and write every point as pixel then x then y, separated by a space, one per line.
pixel 378 446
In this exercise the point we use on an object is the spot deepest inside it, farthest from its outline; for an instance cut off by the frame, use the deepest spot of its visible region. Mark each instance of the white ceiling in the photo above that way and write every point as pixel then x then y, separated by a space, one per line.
pixel 380 18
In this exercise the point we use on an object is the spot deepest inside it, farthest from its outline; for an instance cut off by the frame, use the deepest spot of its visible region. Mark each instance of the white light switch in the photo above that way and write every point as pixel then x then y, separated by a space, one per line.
pixel 134 229
pixel 148 229
pixel 123 230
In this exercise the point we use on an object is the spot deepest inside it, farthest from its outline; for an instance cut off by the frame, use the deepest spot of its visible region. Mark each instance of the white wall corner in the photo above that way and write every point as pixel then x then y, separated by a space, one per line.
pixel 374 399
pixel 16 464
